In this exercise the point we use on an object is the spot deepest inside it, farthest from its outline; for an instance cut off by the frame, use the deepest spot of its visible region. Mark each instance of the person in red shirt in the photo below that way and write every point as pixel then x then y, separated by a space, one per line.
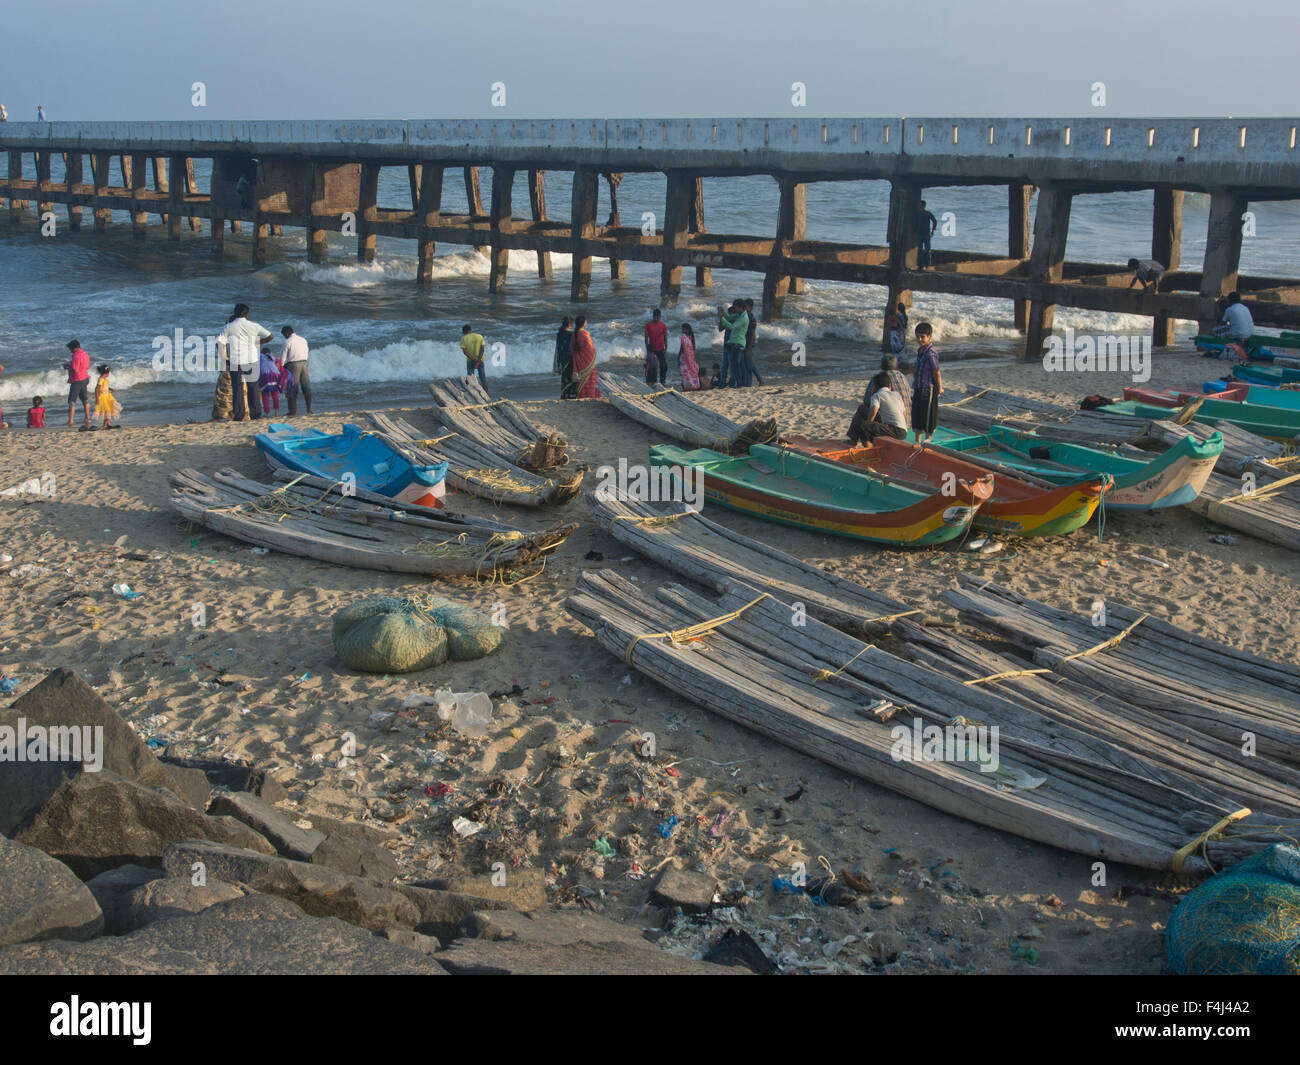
pixel 584 362
pixel 656 349
pixel 78 383
pixel 36 415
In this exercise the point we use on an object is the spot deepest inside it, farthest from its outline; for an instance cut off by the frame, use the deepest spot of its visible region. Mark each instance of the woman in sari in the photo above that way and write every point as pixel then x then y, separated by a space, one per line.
pixel 584 361
pixel 686 367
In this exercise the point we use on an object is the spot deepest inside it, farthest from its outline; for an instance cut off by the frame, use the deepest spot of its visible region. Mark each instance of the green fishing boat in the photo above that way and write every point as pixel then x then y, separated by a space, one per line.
pixel 1171 479
pixel 1276 423
pixel 780 485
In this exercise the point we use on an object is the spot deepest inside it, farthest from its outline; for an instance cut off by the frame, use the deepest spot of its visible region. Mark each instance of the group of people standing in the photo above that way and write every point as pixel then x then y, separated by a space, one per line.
pixel 252 379
pixel 575 359
pixel 891 406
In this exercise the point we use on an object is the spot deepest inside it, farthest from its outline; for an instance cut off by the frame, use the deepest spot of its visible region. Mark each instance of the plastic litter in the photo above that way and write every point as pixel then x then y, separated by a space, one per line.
pixel 8 684
pixel 603 848
pixel 1226 539
pixel 418 699
pixel 465 828
pixel 666 827
pixel 123 591
pixel 470 713
pixel 1154 561
pixel 29 569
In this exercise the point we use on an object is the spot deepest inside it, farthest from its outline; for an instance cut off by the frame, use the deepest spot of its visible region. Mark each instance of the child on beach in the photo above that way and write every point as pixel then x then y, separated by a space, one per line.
pixel 36 414
pixel 269 382
pixel 715 380
pixel 105 404
pixel 927 385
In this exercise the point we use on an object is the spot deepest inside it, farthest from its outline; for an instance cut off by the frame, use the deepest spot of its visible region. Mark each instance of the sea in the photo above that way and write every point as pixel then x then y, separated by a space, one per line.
pixel 377 338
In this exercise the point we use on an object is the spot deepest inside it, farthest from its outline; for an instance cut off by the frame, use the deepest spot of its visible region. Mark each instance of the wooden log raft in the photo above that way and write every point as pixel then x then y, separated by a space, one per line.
pixel 723 560
pixel 307 516
pixel 1210 686
pixel 471 467
pixel 679 417
pixel 812 688
pixel 500 426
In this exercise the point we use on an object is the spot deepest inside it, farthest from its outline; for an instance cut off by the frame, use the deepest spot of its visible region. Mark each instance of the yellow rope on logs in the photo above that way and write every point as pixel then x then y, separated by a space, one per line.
pixel 1213 832
pixel 653 521
pixel 1259 495
pixel 690 632
pixel 479 406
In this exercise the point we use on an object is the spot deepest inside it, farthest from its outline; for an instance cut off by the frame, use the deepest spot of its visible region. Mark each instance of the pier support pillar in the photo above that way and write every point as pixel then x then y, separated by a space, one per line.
pixel 703 274
pixel 318 248
pixel 43 183
pixel 73 168
pixel 1166 248
pixel 791 224
pixel 1046 261
pixel 537 207
pixel 137 182
pixel 368 213
pixel 617 267
pixel 1222 248
pixel 1019 197
pixel 904 206
pixel 175 196
pixel 236 225
pixel 586 191
pixel 99 167
pixel 16 207
pixel 474 197
pixel 261 230
pixel 678 203
pixel 428 211
pixel 191 189
pixel 160 182
pixel 503 181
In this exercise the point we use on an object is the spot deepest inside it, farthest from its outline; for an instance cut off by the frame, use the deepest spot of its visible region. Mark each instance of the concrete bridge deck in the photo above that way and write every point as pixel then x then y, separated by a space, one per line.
pixel 323 176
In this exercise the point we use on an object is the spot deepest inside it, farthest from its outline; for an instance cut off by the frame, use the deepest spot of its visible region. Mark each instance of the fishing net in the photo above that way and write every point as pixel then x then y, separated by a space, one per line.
pixel 385 634
pixel 1243 920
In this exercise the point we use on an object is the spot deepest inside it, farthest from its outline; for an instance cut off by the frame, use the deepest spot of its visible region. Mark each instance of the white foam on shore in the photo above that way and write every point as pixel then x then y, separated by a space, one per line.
pixel 401 268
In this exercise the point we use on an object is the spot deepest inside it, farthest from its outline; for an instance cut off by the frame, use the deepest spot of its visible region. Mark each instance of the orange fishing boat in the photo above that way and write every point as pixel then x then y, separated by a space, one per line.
pixel 1021 505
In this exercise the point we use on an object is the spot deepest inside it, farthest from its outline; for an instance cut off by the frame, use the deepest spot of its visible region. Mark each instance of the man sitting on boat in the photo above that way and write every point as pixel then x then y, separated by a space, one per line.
pixel 883 413
pixel 1237 328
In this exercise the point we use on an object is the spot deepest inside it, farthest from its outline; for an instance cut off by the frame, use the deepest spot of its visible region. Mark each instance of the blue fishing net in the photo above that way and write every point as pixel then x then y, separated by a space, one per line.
pixel 1243 920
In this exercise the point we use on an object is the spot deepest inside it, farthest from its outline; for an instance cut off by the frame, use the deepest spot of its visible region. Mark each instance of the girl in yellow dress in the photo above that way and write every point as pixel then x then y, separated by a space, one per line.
pixel 105 404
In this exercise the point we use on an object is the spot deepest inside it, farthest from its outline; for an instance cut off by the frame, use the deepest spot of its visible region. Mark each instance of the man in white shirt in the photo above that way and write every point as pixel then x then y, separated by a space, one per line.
pixel 1238 325
pixel 240 344
pixel 883 415
pixel 294 356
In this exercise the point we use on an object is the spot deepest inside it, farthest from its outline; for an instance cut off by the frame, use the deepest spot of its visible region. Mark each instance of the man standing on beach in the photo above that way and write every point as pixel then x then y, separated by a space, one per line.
pixel 294 356
pixel 472 344
pixel 926 224
pixel 656 349
pixel 751 338
pixel 736 323
pixel 246 339
pixel 78 383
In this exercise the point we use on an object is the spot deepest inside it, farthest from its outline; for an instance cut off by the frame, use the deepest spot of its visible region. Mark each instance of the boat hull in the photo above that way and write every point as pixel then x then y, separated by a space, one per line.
pixel 1016 507
pixel 357 455
pixel 796 490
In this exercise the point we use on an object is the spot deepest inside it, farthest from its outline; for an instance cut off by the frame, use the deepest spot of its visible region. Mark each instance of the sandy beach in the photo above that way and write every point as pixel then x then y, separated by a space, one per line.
pixel 557 773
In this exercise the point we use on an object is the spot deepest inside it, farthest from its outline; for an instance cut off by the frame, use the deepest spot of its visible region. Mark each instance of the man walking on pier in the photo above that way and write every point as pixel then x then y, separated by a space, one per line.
pixel 1148 272
pixel 926 224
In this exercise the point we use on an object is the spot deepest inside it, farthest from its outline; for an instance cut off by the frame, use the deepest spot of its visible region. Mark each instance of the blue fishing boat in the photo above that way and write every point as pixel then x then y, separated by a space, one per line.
pixel 355 454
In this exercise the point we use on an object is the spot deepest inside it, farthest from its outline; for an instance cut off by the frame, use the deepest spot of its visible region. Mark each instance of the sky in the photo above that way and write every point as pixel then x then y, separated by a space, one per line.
pixel 410 59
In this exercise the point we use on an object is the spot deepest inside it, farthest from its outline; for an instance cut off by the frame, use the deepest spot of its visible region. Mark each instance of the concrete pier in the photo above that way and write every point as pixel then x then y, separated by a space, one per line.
pixel 323 176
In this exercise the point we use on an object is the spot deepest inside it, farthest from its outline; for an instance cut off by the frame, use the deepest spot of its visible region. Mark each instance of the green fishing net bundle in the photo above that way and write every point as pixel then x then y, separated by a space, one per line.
pixel 1243 920
pixel 386 634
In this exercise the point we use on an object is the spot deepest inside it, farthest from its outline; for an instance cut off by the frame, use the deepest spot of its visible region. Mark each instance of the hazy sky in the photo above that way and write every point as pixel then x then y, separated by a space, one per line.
pixel 137 59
